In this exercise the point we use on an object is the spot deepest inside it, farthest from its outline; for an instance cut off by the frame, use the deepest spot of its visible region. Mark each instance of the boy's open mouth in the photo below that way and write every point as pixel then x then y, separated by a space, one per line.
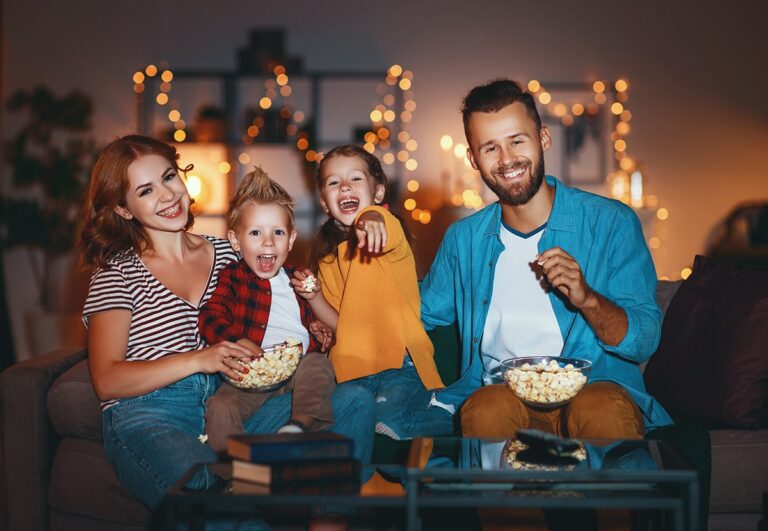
pixel 266 262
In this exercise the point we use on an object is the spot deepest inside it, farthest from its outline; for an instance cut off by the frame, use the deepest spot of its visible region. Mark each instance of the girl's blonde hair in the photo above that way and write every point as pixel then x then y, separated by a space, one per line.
pixel 258 188
pixel 102 233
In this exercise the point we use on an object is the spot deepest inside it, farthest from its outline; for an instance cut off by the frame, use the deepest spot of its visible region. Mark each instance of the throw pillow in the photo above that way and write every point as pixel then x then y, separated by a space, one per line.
pixel 712 361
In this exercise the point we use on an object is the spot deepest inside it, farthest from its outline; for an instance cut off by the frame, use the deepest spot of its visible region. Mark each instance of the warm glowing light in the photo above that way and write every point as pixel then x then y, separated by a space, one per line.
pixel 403 136
pixel 391 80
pixel 545 98
pixel 376 115
pixel 651 201
pixel 174 115
pixel 162 98
pixel 298 117
pixel 627 164
pixel 389 116
pixel 577 109
pixel 425 217
pixel 622 128
pixel 410 105
pixel 409 204
pixel 286 91
pixel 567 120
pixel 285 113
pixel 167 76
pixel 404 84
pixel 302 144
pixel 179 124
pixel 179 135
pixel 457 200
pixel 388 158
pixel 384 143
pixel 370 136
pixel 311 155
pixel 194 186
pixel 370 148
pixel 446 142
pixel 253 131
pixel 281 79
pixel 278 70
pixel 654 242
pixel 662 214
pixel 224 167
pixel 407 74
pixel 165 87
pixel 265 103
pixel 244 158
pixel 383 132
pixel 600 98
pixel 622 96
pixel 138 88
pixel 533 86
pixel 389 99
pixel 405 116
pixel 151 70
pixel 626 116
pixel 138 77
pixel 621 85
pixel 413 185
pixel 617 108
pixel 598 87
pixel 395 70
pixel 620 145
pixel 411 164
pixel 460 150
pixel 402 155
pixel 411 145
pixel 560 109
pixel 416 213
pixel 291 129
pixel 685 273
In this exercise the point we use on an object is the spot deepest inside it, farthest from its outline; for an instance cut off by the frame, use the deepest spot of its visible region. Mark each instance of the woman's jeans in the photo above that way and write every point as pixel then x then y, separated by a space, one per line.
pixel 403 409
pixel 152 440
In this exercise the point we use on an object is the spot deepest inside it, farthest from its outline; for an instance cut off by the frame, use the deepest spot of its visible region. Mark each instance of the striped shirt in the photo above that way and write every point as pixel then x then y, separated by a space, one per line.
pixel 162 323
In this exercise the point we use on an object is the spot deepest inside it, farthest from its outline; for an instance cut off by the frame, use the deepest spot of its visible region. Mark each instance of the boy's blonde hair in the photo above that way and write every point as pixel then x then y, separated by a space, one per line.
pixel 257 187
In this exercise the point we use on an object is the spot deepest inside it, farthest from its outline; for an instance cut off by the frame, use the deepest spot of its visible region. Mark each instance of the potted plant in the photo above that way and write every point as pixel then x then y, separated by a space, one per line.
pixel 50 157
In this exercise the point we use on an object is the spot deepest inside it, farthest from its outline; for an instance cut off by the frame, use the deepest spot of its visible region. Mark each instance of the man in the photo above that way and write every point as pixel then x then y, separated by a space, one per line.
pixel 547 270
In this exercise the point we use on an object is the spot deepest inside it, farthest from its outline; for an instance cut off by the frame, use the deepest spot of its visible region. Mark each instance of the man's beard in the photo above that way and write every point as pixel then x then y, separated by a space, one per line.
pixel 518 194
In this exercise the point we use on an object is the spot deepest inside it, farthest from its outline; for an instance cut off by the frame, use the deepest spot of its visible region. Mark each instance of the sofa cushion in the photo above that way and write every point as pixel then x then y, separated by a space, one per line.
pixel 72 405
pixel 712 361
pixel 83 483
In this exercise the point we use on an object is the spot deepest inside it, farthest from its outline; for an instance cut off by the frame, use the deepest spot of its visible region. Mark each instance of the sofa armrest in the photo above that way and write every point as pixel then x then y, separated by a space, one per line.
pixel 27 440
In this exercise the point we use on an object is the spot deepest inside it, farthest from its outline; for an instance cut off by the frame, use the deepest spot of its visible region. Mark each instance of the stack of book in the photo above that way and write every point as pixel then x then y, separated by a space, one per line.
pixel 293 463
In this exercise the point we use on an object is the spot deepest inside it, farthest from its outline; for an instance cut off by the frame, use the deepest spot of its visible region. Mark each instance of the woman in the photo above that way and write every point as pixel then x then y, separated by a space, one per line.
pixel 149 366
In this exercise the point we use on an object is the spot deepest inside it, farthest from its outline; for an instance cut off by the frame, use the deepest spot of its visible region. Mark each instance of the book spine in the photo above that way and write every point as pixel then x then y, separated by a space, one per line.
pixel 320 471
pixel 299 452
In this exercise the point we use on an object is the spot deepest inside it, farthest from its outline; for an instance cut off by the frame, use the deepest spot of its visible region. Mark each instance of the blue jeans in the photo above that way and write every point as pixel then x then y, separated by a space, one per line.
pixel 152 440
pixel 402 404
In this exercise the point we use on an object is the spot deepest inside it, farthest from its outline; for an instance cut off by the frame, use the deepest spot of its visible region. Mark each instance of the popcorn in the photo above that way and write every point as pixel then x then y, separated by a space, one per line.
pixel 545 383
pixel 309 284
pixel 275 366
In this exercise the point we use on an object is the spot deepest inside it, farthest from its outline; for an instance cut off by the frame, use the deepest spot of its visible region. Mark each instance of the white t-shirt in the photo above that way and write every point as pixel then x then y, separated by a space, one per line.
pixel 521 321
pixel 284 317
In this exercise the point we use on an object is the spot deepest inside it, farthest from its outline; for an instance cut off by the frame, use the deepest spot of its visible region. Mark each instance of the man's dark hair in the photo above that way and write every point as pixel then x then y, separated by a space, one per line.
pixel 495 96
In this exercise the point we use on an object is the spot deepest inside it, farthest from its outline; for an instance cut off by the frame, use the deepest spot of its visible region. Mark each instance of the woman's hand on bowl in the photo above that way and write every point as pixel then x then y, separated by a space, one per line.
pixel 226 357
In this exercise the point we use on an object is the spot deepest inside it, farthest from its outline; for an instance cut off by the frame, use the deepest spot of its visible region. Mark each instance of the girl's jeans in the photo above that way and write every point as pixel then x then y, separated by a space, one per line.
pixel 403 409
pixel 152 440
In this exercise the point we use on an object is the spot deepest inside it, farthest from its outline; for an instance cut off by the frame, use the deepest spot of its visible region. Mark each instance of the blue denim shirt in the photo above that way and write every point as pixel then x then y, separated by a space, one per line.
pixel 605 238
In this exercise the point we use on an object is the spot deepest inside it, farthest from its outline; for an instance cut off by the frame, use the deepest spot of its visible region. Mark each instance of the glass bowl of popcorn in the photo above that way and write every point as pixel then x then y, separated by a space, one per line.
pixel 272 370
pixel 545 381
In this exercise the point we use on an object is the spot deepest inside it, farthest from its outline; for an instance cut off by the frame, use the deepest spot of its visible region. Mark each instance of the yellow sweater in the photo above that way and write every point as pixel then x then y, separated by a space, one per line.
pixel 379 309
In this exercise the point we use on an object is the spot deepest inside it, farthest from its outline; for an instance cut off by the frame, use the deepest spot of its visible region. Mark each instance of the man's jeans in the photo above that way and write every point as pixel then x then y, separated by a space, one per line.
pixel 152 440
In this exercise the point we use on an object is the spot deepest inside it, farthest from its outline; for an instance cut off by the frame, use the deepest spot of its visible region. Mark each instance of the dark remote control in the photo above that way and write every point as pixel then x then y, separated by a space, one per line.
pixel 541 440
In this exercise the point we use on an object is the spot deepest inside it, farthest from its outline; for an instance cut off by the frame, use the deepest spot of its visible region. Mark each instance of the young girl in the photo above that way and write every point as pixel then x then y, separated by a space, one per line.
pixel 149 366
pixel 368 273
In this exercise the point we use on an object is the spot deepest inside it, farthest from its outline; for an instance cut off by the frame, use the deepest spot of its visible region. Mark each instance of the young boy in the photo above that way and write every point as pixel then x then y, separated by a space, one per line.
pixel 255 304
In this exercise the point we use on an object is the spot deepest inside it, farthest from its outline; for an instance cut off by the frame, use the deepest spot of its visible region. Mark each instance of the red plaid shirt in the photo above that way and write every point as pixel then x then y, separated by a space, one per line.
pixel 239 308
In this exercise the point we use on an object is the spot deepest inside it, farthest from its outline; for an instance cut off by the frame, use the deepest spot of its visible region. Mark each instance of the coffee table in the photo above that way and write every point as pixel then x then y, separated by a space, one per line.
pixel 453 472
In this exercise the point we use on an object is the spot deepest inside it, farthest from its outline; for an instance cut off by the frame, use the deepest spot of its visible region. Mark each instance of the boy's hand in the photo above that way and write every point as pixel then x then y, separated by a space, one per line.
pixel 371 232
pixel 323 333
pixel 305 283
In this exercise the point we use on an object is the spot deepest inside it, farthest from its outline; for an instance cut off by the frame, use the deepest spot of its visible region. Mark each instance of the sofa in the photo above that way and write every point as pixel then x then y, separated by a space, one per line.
pixel 55 475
